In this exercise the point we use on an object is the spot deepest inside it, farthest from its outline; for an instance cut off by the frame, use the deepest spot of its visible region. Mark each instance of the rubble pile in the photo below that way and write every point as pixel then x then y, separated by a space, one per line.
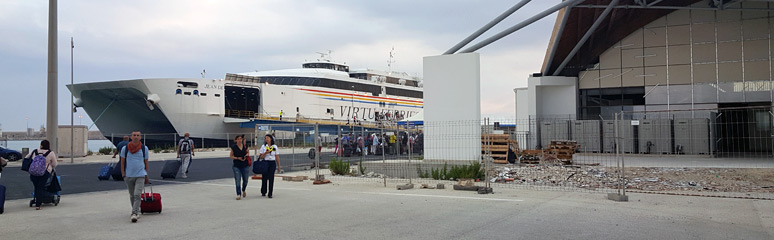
pixel 647 179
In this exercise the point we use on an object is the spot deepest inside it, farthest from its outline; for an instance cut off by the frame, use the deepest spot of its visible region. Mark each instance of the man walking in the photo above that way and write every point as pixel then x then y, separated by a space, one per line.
pixel 134 169
pixel 121 145
pixel 185 149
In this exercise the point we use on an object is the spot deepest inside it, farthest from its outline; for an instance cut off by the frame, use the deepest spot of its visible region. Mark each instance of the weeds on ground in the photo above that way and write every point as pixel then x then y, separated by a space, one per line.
pixel 338 167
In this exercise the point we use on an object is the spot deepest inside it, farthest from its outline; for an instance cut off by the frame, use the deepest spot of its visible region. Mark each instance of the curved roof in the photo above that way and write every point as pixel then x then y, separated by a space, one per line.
pixel 620 23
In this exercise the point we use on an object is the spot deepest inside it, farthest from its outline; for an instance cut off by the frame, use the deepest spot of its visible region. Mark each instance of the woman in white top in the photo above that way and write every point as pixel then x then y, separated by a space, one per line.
pixel 39 182
pixel 269 153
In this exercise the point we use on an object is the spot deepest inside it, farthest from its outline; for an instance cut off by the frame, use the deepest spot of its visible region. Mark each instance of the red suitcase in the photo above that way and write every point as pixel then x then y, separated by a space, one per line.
pixel 150 202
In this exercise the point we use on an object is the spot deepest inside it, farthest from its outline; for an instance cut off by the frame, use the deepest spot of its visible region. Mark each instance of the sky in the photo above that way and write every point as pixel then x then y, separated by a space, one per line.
pixel 117 40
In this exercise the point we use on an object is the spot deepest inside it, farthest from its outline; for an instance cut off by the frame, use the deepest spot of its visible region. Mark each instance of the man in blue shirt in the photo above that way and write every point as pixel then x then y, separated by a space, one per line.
pixel 134 168
pixel 121 145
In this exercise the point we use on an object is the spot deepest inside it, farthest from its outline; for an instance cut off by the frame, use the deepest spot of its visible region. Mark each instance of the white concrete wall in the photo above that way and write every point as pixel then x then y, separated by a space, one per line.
pixel 80 141
pixel 452 107
pixel 553 96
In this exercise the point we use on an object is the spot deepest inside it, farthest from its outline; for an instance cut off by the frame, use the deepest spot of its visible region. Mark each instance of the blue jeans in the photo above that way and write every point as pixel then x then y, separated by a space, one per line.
pixel 241 174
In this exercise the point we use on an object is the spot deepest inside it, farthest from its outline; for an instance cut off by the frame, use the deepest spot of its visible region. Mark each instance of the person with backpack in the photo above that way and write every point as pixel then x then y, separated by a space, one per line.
pixel 185 149
pixel 134 169
pixel 43 164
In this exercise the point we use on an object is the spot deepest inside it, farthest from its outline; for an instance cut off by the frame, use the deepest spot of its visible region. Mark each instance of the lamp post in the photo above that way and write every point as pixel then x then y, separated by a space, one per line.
pixel 353 107
pixel 80 119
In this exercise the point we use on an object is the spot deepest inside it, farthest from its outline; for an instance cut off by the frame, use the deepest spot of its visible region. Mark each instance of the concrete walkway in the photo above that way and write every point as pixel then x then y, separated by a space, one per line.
pixel 357 210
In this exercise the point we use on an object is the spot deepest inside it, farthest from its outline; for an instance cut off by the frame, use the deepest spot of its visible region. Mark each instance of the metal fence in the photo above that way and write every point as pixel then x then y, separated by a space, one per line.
pixel 708 152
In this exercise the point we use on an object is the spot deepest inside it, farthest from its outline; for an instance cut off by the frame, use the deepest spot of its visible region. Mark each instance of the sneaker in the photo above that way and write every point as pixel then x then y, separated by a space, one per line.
pixel 185 176
pixel 244 194
pixel 134 218
pixel 239 197
pixel 269 196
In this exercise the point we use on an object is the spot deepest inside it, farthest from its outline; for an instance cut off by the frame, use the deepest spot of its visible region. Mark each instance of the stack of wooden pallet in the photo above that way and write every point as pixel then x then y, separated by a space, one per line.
pixel 563 150
pixel 497 145
pixel 530 156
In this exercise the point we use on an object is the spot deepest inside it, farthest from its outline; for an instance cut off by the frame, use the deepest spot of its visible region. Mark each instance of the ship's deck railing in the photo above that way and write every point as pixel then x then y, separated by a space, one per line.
pixel 302 119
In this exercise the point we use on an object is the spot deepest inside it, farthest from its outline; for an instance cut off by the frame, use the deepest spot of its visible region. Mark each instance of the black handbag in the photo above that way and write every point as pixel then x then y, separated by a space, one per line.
pixel 260 166
pixel 52 184
pixel 28 161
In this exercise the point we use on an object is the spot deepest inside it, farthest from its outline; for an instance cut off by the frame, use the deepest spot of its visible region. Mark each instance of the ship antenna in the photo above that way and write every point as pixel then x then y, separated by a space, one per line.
pixel 203 73
pixel 391 61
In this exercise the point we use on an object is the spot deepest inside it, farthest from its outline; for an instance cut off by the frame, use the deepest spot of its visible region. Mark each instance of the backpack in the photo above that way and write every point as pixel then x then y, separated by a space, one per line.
pixel 185 147
pixel 38 165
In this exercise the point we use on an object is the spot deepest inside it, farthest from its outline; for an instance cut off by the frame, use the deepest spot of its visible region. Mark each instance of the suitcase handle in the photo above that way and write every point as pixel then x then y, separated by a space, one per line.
pixel 153 198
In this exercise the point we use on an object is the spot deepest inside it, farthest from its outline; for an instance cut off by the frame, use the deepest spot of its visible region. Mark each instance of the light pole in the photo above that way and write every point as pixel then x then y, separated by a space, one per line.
pixel 28 125
pixel 353 107
pixel 80 119
pixel 72 104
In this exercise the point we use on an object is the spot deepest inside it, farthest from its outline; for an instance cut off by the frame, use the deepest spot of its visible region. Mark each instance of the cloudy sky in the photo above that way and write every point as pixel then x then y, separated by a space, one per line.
pixel 178 38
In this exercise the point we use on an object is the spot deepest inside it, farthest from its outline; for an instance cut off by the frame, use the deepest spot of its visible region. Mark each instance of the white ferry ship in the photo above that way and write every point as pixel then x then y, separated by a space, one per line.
pixel 213 109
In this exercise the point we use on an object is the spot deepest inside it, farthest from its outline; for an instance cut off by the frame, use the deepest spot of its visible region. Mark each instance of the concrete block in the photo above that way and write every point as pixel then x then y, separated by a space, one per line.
pixel 485 190
pixel 405 186
pixel 440 186
pixel 465 188
pixel 617 197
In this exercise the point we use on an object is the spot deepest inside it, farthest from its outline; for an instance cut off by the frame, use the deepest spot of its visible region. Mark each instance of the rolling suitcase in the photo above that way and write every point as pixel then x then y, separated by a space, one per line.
pixel 171 167
pixel 2 199
pixel 104 172
pixel 150 202
pixel 115 172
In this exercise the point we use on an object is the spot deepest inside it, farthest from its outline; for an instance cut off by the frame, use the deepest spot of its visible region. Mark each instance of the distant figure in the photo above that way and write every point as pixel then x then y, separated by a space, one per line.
pixel 375 144
pixel 134 169
pixel 121 145
pixel 361 144
pixel 281 115
pixel 185 149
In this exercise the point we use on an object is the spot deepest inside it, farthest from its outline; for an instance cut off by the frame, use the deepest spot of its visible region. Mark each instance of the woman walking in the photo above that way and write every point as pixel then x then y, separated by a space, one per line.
pixel 40 181
pixel 240 153
pixel 269 153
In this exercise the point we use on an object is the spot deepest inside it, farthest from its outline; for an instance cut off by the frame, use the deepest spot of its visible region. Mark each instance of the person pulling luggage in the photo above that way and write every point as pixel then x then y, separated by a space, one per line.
pixel 134 169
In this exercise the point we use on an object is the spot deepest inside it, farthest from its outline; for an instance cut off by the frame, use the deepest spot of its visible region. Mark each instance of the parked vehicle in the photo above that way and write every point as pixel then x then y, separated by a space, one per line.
pixel 10 155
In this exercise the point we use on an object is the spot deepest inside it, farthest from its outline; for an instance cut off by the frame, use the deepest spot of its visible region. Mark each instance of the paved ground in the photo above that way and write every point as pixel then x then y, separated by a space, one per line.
pixel 82 177
pixel 356 210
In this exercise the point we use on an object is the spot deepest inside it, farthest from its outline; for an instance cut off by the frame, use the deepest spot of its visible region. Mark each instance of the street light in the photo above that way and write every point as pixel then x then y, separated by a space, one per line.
pixel 353 106
pixel 80 119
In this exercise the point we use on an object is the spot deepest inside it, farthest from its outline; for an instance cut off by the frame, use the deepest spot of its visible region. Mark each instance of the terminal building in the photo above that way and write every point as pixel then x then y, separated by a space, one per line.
pixel 681 76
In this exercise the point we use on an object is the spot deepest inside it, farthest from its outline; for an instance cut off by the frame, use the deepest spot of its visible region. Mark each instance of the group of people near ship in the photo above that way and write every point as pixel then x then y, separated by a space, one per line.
pixel 378 143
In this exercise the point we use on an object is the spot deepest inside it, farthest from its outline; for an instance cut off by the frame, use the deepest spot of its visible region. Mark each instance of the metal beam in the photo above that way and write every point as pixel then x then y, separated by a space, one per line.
pixel 674 8
pixel 586 36
pixel 521 25
pixel 555 44
pixel 488 26
pixel 654 3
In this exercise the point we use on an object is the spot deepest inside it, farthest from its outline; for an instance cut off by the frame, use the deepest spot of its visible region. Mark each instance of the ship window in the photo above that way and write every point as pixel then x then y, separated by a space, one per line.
pixel 293 81
pixel 187 84
pixel 196 92
pixel 187 93
pixel 203 94
pixel 178 91
pixel 217 95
